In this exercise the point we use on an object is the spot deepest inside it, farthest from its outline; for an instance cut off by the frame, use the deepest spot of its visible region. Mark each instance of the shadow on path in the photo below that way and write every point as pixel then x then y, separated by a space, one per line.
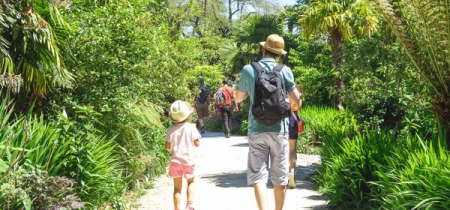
pixel 229 179
pixel 241 145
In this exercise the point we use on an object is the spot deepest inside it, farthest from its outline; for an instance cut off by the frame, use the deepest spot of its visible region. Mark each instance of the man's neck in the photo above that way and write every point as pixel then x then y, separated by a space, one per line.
pixel 225 85
pixel 268 56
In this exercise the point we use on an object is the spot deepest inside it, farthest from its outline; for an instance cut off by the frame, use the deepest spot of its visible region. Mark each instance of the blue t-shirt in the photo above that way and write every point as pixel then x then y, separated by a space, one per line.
pixel 247 84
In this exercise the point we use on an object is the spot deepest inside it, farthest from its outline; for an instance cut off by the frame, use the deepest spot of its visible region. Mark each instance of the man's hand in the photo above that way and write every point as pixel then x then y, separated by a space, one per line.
pixel 236 108
pixel 196 143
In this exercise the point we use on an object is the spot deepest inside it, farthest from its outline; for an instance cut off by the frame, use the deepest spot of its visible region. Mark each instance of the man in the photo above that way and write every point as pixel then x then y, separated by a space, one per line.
pixel 202 102
pixel 226 108
pixel 268 141
pixel 293 136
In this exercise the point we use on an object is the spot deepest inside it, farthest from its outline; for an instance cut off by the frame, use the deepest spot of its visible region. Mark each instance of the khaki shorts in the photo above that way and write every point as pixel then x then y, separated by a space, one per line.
pixel 261 147
pixel 202 110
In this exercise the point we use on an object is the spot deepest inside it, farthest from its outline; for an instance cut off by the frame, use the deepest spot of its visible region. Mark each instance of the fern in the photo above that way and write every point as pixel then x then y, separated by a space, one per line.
pixel 422 28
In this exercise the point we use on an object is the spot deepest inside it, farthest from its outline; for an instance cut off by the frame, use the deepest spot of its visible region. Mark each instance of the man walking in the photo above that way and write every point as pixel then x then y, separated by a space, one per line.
pixel 202 102
pixel 268 136
pixel 225 108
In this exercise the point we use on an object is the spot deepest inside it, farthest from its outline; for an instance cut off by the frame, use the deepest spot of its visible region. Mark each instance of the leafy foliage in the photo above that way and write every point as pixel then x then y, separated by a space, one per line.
pixel 248 34
pixel 379 111
pixel 422 29
pixel 31 46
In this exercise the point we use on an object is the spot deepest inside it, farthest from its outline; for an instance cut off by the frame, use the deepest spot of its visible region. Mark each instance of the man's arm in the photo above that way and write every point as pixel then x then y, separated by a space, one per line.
pixel 209 99
pixel 240 96
pixel 236 108
pixel 294 96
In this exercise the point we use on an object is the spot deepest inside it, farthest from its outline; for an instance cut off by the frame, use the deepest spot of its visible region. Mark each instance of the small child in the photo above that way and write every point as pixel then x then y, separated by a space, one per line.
pixel 181 138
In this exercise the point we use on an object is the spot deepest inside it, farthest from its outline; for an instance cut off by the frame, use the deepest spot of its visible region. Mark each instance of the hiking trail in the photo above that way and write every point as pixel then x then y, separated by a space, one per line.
pixel 221 180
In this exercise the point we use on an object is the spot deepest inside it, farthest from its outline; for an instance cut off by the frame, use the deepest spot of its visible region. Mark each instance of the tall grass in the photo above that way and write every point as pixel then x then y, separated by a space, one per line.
pixel 417 175
pixel 348 165
pixel 321 123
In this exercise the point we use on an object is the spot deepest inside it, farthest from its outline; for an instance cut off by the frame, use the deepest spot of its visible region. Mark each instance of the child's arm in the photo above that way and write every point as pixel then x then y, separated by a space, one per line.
pixel 168 146
pixel 196 143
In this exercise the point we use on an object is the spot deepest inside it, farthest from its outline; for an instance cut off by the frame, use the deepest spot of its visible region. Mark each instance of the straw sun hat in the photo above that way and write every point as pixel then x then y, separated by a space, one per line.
pixel 180 110
pixel 275 44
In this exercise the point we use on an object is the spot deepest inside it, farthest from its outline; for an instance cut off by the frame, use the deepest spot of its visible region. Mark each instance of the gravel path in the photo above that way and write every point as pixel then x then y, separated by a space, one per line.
pixel 221 180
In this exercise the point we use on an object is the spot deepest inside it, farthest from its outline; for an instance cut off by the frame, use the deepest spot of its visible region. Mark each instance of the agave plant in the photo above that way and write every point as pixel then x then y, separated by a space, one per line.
pixel 29 46
pixel 339 20
pixel 422 29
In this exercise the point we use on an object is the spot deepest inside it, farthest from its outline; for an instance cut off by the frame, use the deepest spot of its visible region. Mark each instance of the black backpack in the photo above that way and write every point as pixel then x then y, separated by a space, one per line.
pixel 203 96
pixel 269 104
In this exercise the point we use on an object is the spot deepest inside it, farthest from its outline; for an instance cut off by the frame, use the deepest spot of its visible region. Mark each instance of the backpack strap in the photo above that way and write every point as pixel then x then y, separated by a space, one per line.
pixel 258 67
pixel 279 67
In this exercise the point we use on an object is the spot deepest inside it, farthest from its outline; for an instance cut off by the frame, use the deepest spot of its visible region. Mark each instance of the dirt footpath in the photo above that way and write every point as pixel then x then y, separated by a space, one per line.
pixel 221 180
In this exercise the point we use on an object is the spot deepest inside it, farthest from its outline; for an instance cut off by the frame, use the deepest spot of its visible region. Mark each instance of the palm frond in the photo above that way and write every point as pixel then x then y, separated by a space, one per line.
pixel 423 32
pixel 321 16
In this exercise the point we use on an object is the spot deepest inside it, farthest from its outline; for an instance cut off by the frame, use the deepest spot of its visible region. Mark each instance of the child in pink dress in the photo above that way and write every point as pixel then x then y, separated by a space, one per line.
pixel 181 139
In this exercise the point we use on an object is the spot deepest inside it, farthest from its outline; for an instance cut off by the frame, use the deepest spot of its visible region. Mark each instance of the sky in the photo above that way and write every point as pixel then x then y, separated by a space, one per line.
pixel 287 2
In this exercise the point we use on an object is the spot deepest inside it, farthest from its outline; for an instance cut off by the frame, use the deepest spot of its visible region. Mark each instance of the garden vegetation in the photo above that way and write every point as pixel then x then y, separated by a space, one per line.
pixel 86 86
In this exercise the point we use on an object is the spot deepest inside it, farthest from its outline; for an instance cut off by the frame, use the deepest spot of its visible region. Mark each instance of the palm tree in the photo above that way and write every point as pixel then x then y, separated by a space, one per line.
pixel 248 33
pixel 30 46
pixel 422 28
pixel 339 20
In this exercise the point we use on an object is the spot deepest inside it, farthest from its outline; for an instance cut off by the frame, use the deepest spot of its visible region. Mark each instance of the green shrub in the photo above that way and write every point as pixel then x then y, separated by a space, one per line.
pixel 377 110
pixel 243 130
pixel 35 189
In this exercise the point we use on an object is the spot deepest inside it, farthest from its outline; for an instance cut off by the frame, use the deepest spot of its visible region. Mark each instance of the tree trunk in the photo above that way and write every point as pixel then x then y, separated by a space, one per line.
pixel 229 10
pixel 336 48
pixel 291 27
pixel 441 107
pixel 206 4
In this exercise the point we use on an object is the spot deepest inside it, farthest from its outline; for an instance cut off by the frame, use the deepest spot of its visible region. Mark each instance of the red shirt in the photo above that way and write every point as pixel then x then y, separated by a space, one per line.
pixel 228 92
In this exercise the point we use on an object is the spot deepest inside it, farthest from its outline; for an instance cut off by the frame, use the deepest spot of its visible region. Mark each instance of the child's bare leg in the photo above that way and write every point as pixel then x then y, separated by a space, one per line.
pixel 190 190
pixel 177 186
pixel 292 155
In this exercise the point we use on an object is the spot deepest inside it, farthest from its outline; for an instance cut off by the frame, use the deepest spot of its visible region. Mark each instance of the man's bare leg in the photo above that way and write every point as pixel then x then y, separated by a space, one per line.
pixel 261 196
pixel 279 192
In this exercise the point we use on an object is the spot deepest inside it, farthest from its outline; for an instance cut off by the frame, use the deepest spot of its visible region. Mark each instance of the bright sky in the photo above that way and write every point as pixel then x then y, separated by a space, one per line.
pixel 287 2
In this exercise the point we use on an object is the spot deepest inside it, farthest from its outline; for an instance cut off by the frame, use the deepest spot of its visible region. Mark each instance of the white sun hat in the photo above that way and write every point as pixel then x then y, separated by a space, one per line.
pixel 180 110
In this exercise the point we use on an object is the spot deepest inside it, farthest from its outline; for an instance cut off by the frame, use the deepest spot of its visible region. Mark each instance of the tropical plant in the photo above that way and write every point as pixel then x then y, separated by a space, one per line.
pixel 248 33
pixel 422 29
pixel 30 46
pixel 339 20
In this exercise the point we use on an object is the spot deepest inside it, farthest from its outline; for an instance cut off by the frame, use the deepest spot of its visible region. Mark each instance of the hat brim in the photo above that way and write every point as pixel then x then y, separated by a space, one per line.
pixel 183 118
pixel 279 52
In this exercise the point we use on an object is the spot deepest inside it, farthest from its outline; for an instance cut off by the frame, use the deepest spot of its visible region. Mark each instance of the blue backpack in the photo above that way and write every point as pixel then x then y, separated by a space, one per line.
pixel 221 97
